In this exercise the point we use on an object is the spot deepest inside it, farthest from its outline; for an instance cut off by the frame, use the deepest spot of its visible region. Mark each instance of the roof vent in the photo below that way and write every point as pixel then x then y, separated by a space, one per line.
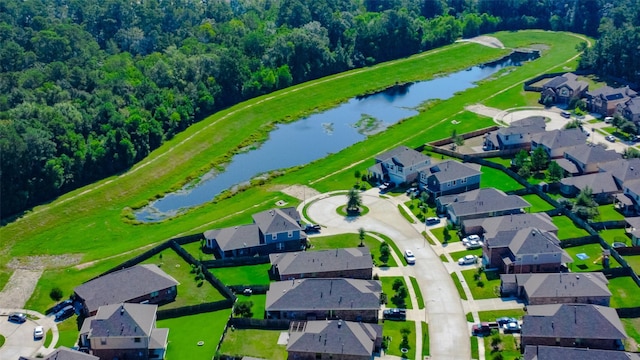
pixel 339 323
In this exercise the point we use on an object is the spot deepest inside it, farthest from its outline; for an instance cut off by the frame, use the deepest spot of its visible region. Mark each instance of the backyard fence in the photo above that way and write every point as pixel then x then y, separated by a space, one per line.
pixel 255 289
pixel 240 261
pixel 265 324
pixel 611 224
pixel 194 309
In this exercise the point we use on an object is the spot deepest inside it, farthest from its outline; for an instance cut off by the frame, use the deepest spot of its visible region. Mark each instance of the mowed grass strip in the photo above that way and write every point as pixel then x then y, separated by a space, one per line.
pixel 186 331
pixel 624 292
pixel 392 330
pixel 257 343
pixel 485 287
pixel 538 204
pixel 492 315
pixel 567 229
pixel 387 288
pixel 243 275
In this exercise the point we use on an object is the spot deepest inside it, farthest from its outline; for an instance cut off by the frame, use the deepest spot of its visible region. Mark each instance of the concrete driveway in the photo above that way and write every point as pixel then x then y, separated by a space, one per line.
pixel 448 328
pixel 19 339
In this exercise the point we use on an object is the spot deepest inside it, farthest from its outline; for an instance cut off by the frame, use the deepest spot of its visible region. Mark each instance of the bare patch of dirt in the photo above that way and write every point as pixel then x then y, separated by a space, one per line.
pixel 19 288
pixel 489 41
pixel 301 192
pixel 41 262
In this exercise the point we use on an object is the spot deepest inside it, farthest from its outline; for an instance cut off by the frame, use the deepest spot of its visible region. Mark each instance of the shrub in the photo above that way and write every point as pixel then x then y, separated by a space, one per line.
pixel 55 294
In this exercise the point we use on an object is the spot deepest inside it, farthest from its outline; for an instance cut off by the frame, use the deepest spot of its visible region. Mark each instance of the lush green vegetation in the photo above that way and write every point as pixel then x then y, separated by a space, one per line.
pixel 404 214
pixel 631 326
pixel 474 347
pixel 185 332
pixel 392 329
pixel 567 229
pixel 243 275
pixel 493 178
pixel 458 254
pixel 394 292
pixel 48 338
pixel 609 213
pixel 492 315
pixel 459 287
pixel 255 343
pixel 418 291
pixel 425 340
pixel 2 340
pixel 68 332
pixel 352 240
pixel 594 260
pixel 624 292
pixel 634 262
pixel 538 204
pixel 4 278
pixel 483 285
pixel 615 235
pixel 508 346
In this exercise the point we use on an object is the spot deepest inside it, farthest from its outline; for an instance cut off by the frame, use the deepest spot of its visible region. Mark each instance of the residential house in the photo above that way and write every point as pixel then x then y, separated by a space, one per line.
pixel 589 157
pixel 137 284
pixel 333 339
pixel 354 263
pixel 556 142
pixel 542 352
pixel 516 136
pixel 480 203
pixel 124 331
pixel 603 186
pixel 400 165
pixel 573 325
pixel 557 288
pixel 274 230
pixel 631 189
pixel 625 171
pixel 311 299
pixel 450 177
pixel 633 229
pixel 563 89
pixel 63 353
pixel 630 109
pixel 526 250
pixel 605 100
pixel 490 226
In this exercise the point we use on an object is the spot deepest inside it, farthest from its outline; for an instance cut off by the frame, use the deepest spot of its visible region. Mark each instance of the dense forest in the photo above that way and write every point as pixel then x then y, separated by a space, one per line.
pixel 88 88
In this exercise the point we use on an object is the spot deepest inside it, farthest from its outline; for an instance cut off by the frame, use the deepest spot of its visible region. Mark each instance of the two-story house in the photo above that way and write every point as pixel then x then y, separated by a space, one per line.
pixel 354 263
pixel 630 109
pixel 400 165
pixel 589 157
pixel 557 288
pixel 274 230
pixel 562 89
pixel 605 100
pixel 625 171
pixel 490 226
pixel 516 136
pixel 450 177
pixel 124 331
pixel 480 203
pixel 556 142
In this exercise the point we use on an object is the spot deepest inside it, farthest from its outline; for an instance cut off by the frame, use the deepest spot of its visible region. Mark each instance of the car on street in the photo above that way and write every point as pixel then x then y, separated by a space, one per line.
pixel 17 317
pixel 473 244
pixel 394 314
pixel 505 320
pixel 408 255
pixel 312 228
pixel 512 327
pixel 38 332
pixel 433 220
pixel 565 114
pixel 481 329
pixel 610 138
pixel 470 238
pixel 468 260
pixel 66 312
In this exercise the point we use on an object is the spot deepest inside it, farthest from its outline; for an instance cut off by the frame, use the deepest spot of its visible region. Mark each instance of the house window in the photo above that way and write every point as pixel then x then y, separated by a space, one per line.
pixel 136 340
pixel 463 180
pixel 274 236
pixel 290 234
pixel 454 182
pixel 103 341
pixel 279 246
pixel 155 294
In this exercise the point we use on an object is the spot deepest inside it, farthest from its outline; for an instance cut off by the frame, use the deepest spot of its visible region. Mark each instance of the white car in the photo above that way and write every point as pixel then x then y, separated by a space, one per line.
pixel 38 332
pixel 610 138
pixel 408 255
pixel 473 244
pixel 468 260
pixel 470 238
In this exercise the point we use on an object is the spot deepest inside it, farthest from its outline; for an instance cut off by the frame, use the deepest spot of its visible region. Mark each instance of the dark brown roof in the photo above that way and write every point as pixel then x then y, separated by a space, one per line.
pixel 334 337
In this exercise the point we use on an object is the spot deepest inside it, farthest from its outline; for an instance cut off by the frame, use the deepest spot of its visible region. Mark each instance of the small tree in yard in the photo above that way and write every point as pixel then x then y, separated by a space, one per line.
pixel 585 207
pixel 353 200
pixel 361 235
pixel 384 252
pixel 556 173
pixel 525 171
pixel 397 283
pixel 55 294
pixel 521 159
pixel 456 140
pixel 243 309
pixel 446 234
pixel 539 159
pixel 496 341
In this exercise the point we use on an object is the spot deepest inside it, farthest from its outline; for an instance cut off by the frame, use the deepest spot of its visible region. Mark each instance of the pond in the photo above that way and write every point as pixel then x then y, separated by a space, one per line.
pixel 321 134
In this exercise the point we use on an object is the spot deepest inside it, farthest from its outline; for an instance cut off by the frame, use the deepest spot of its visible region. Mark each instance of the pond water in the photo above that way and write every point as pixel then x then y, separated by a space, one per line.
pixel 318 135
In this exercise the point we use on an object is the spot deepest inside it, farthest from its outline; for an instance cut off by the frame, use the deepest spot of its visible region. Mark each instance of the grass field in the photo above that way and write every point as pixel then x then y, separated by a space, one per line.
pixel 387 288
pixel 490 282
pixel 243 275
pixel 634 262
pixel 86 220
pixel 615 235
pixel 632 327
pixel 492 315
pixel 255 343
pixel 594 260
pixel 458 285
pixel 567 229
pixel 351 240
pixel 508 347
pixel 416 289
pixel 538 204
pixel 608 213
pixel 425 340
pixel 392 330
pixel 493 178
pixel 186 331
pixel 624 292
pixel 68 332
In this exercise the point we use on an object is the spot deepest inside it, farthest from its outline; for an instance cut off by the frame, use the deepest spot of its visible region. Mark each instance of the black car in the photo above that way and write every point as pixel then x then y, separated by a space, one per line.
pixel 394 314
pixel 312 228
pixel 433 220
pixel 17 318
pixel 61 305
pixel 65 312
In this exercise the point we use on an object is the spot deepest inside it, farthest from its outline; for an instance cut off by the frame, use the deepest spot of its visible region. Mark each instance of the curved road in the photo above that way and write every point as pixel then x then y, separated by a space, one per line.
pixel 448 328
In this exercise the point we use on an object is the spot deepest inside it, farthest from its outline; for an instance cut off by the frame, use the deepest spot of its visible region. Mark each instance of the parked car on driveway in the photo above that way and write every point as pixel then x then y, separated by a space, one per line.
pixel 512 327
pixel 565 114
pixel 38 332
pixel 312 228
pixel 394 314
pixel 473 244
pixel 505 320
pixel 433 220
pixel 61 305
pixel 470 238
pixel 17 317
pixel 481 329
pixel 610 138
pixel 468 260
pixel 66 312
pixel 408 255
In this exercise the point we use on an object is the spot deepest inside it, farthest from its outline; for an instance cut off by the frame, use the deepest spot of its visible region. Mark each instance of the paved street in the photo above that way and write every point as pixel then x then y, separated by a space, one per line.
pixel 19 339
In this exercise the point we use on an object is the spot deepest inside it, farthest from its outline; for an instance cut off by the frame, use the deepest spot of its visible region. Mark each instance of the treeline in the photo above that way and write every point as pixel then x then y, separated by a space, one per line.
pixel 88 88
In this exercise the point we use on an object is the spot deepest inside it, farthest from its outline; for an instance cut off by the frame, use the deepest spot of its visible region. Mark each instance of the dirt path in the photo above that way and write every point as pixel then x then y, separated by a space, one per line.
pixel 19 288
pixel 300 192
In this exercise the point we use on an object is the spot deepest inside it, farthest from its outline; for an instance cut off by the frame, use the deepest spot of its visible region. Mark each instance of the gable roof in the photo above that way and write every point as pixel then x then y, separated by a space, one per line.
pixel 547 285
pixel 560 138
pixel 632 106
pixel 597 182
pixel 541 352
pixel 64 353
pixel 334 337
pixel 528 125
pixel 583 321
pixel 633 186
pixel 611 94
pixel 592 154
pixel 491 225
pixel 123 320
pixel 622 169
pixel 482 201
pixel 450 170
pixel 124 285
pixel 569 79
pixel 322 261
pixel 324 294
pixel 403 156
pixel 236 237
pixel 277 220
pixel 530 246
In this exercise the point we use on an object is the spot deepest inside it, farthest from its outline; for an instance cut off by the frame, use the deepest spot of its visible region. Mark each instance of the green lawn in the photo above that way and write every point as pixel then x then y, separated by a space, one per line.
pixel 425 340
pixel 195 249
pixel 508 347
pixel 492 315
pixel 458 285
pixel 48 338
pixel 439 234
pixel 567 229
pixel 634 262
pixel 504 161
pixel 4 278
pixel 538 204
pixel 608 213
pixel 387 288
pixel 458 254
pixel 351 240
pixel 493 178
pixel 416 289
pixel 490 284
pixel 615 235
pixel 594 260
pixel 243 275
pixel 624 292
pixel 189 293
pixel 414 206
pixel 258 307
pixel 392 329
pixel 474 347
pixel 68 332
pixel 185 332
pixel 257 343
pixel 632 328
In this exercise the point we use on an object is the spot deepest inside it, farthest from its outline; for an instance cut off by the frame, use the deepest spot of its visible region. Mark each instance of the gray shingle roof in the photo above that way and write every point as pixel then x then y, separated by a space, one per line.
pixel 236 237
pixel 450 170
pixel 592 154
pixel 530 246
pixel 335 337
pixel 597 182
pixel 403 156
pixel 123 320
pixel 583 321
pixel 322 261
pixel 567 353
pixel 124 285
pixel 633 185
pixel 568 79
pixel 277 220
pixel 567 165
pixel 492 225
pixel 483 201
pixel 610 93
pixel 556 139
pixel 564 284
pixel 622 169
pixel 529 125
pixel 324 294
pixel 64 353
pixel 633 105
